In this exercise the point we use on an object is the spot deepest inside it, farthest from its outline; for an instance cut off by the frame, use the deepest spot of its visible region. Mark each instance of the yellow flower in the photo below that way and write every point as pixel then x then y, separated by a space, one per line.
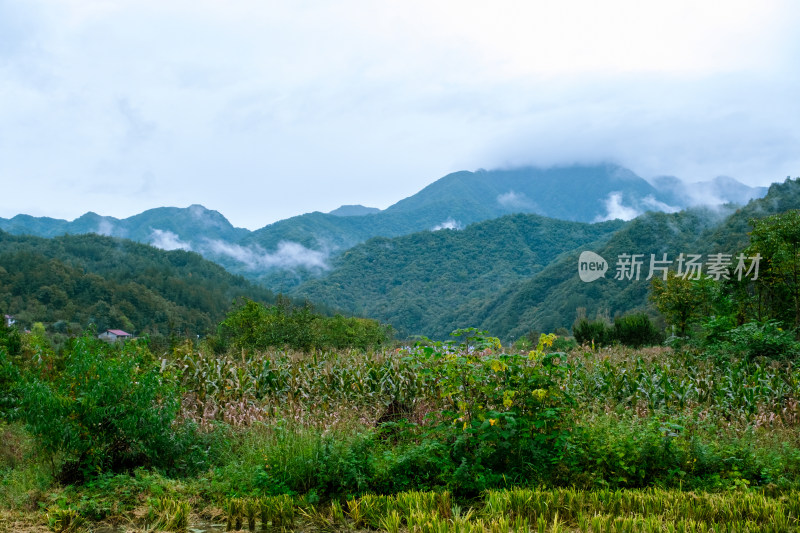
pixel 465 426
pixel 546 340
pixel 539 394
pixel 498 366
pixel 493 421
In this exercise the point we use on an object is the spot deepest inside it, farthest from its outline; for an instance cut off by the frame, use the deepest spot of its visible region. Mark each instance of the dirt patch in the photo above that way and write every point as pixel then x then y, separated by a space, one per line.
pixel 22 522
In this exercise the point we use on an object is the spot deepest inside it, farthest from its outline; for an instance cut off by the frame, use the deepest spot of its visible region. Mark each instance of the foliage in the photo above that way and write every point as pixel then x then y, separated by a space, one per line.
pixel 636 330
pixel 70 282
pixel 776 239
pixel 10 339
pixel 65 521
pixel 502 412
pixel 253 326
pixel 167 514
pixel 624 453
pixel 682 301
pixel 9 379
pixel 111 409
pixel 762 339
pixel 595 332
pixel 744 311
pixel 24 474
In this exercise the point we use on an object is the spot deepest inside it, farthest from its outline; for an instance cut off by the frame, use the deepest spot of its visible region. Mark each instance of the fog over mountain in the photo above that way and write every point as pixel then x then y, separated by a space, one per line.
pixel 283 254
pixel 263 110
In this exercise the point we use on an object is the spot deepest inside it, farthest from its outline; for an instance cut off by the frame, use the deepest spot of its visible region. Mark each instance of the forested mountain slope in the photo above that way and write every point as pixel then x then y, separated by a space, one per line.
pixel 284 254
pixel 426 282
pixel 69 282
pixel 552 297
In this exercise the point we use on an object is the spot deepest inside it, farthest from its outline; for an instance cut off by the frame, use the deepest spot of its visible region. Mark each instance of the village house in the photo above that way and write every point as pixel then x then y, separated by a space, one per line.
pixel 114 335
pixel 10 321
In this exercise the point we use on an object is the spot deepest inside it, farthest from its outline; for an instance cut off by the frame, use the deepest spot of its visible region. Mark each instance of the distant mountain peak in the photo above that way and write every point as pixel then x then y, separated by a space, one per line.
pixel 356 210
pixel 717 191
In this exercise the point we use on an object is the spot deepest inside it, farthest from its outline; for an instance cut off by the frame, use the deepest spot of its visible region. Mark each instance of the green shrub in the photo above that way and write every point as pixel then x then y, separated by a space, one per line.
pixel 253 326
pixel 595 332
pixel 9 381
pixel 636 330
pixel 762 339
pixel 10 340
pixel 109 410
pixel 563 344
pixel 341 332
pixel 504 413
pixel 626 453
pixel 415 466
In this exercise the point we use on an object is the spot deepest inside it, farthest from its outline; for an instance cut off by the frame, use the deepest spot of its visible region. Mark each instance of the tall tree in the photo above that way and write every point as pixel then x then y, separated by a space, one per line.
pixel 776 239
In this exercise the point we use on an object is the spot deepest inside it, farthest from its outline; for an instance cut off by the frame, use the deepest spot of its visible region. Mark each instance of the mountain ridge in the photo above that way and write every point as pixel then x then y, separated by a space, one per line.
pixel 288 252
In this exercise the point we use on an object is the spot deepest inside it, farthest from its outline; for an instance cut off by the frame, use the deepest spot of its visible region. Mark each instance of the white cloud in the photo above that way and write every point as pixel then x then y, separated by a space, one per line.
pixel 332 103
pixel 288 256
pixel 447 224
pixel 649 202
pixel 513 200
pixel 104 227
pixel 167 240
pixel 615 209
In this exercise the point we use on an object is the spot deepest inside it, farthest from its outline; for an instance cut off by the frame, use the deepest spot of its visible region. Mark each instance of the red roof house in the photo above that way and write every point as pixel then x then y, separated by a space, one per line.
pixel 114 335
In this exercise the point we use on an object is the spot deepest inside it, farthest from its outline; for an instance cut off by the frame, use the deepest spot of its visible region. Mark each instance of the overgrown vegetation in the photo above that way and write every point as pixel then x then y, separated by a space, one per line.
pixel 254 326
pixel 634 330
pixel 747 316
pixel 433 281
pixel 325 431
pixel 293 419
pixel 70 282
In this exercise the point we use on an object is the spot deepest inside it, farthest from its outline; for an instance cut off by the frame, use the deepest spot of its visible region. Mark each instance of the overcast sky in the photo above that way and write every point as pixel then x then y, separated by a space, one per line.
pixel 264 110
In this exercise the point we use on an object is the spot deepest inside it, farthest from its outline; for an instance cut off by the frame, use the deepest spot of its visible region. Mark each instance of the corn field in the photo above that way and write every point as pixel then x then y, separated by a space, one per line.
pixel 240 390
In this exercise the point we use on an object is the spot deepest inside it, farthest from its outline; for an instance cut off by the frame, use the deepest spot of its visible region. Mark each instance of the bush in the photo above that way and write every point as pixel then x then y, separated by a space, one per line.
pixel 423 466
pixel 595 332
pixel 505 414
pixel 253 326
pixel 9 380
pixel 625 453
pixel 636 330
pixel 10 340
pixel 762 339
pixel 109 410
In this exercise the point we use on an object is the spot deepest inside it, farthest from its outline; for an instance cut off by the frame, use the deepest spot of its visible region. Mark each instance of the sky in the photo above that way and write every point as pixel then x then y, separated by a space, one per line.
pixel 264 110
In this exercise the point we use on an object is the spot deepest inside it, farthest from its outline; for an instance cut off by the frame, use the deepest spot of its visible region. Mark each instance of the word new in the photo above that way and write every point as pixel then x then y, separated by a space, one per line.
pixel 592 266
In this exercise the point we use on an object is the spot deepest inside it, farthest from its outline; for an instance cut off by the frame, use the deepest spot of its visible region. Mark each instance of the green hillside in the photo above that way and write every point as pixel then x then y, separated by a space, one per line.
pixel 425 283
pixel 282 255
pixel 69 282
pixel 552 298
pixel 574 192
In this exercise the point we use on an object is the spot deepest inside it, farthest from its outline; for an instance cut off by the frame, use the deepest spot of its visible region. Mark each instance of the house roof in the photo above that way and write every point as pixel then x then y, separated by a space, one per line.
pixel 119 333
